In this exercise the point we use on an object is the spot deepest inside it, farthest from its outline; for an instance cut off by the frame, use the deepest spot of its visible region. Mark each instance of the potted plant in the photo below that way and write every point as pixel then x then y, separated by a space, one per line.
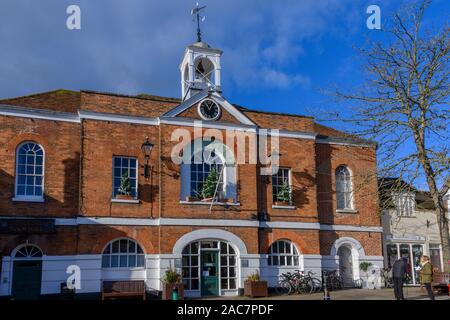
pixel 284 195
pixel 209 186
pixel 364 266
pixel 172 281
pixel 125 187
pixel 254 287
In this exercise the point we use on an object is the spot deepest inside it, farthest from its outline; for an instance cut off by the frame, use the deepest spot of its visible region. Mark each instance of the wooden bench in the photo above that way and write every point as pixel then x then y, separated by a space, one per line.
pixel 129 288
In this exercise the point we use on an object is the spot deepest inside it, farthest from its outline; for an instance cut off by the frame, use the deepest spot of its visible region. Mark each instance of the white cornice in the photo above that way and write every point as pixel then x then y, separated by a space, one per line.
pixel 292 134
pixel 206 124
pixel 92 115
pixel 16 111
pixel 342 227
pixel 345 142
pixel 33 113
pixel 205 223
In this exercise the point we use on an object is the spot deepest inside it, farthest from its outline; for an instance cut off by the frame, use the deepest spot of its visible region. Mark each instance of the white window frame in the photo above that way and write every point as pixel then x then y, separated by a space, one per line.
pixel 27 198
pixel 350 201
pixel 405 204
pixel 119 254
pixel 113 196
pixel 294 254
pixel 219 264
pixel 289 175
pixel 223 178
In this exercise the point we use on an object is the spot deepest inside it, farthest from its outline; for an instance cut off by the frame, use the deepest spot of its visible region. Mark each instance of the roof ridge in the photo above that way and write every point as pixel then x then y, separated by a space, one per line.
pixel 41 93
pixel 138 96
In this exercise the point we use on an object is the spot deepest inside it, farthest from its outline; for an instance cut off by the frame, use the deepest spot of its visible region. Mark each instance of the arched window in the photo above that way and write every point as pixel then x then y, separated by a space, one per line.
pixel 344 194
pixel 123 253
pixel 283 253
pixel 200 160
pixel 28 251
pixel 202 165
pixel 29 171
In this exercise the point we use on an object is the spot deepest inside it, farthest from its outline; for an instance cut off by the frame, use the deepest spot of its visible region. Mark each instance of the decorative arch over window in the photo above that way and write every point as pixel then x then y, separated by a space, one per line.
pixel 29 172
pixel 28 251
pixel 200 160
pixel 344 192
pixel 283 253
pixel 123 253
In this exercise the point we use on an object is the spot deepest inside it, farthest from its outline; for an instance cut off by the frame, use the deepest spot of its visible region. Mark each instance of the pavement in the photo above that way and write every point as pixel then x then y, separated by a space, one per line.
pixel 410 293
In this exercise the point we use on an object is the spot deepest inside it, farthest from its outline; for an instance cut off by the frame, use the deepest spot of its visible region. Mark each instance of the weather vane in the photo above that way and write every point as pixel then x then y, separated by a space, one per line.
pixel 196 12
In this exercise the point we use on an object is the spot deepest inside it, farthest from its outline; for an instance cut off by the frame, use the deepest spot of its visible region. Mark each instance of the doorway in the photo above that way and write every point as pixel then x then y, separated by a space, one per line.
pixel 27 273
pixel 26 283
pixel 209 273
pixel 346 266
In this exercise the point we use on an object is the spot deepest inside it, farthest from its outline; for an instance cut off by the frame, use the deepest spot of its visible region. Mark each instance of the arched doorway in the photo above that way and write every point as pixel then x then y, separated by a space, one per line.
pixel 27 273
pixel 346 265
pixel 210 267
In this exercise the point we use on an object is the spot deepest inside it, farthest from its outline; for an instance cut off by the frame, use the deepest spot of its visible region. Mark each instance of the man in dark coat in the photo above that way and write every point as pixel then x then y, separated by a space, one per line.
pixel 399 273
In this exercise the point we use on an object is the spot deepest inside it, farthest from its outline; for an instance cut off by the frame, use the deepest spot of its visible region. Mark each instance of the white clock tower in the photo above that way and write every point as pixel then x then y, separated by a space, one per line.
pixel 200 68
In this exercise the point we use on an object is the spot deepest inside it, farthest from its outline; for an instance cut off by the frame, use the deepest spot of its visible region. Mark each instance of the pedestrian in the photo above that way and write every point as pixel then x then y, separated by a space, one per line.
pixel 426 275
pixel 399 274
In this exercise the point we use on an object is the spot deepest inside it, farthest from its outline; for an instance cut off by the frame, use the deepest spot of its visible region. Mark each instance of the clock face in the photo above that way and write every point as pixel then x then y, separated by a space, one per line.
pixel 209 110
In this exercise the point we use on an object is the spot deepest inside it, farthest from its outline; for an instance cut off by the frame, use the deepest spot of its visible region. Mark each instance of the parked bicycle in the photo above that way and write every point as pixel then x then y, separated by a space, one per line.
pixel 332 279
pixel 298 282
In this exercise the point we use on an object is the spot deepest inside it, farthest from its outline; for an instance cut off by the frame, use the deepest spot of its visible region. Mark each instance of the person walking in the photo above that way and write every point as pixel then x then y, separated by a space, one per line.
pixel 426 275
pixel 399 274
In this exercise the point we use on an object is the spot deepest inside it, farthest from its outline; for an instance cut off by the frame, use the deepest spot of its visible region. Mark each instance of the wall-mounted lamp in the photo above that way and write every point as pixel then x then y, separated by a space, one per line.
pixel 147 148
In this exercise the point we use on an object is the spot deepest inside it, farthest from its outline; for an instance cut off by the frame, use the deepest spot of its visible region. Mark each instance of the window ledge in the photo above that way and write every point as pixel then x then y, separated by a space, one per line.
pixel 209 203
pixel 284 207
pixel 28 199
pixel 131 201
pixel 346 211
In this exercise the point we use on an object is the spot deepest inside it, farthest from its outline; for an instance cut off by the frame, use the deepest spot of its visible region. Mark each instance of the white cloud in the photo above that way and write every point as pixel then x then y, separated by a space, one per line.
pixel 280 80
pixel 136 45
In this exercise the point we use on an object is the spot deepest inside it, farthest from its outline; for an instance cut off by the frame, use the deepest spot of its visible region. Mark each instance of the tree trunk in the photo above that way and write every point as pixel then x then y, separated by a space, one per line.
pixel 444 232
pixel 441 216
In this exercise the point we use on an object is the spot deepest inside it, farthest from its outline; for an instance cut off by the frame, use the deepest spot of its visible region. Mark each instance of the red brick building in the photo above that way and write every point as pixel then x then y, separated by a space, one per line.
pixel 77 187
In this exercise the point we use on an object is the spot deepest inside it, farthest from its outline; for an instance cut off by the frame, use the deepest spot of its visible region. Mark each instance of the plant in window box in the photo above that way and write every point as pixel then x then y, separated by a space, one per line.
pixel 124 191
pixel 192 199
pixel 209 186
pixel 254 287
pixel 172 282
pixel 284 195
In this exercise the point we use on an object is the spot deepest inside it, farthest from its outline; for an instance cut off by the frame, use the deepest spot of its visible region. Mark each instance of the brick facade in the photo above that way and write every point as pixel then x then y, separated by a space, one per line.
pixel 81 132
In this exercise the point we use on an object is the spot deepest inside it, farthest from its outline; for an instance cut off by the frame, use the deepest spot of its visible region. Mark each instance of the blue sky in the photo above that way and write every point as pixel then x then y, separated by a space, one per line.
pixel 278 55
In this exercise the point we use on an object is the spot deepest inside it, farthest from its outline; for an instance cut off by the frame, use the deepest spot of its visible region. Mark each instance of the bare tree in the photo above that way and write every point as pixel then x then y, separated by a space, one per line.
pixel 404 106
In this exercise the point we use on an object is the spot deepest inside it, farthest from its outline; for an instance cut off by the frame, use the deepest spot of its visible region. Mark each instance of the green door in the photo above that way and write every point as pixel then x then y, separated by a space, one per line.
pixel 27 280
pixel 210 273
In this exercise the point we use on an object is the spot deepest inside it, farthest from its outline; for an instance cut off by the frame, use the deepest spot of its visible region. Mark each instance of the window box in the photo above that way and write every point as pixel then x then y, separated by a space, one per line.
pixel 346 211
pixel 282 204
pixel 124 197
pixel 192 199
pixel 255 288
